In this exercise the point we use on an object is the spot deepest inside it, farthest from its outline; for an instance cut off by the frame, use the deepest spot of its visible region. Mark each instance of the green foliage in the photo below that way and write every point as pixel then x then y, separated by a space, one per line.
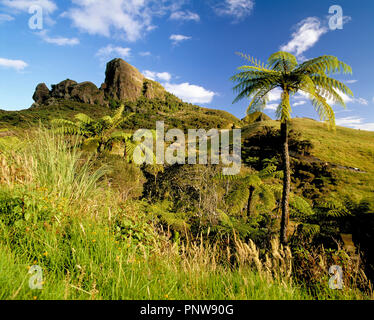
pixel 53 163
pixel 100 133
pixel 92 244
pixel 124 178
pixel 311 177
pixel 251 189
pixel 165 215
pixel 284 72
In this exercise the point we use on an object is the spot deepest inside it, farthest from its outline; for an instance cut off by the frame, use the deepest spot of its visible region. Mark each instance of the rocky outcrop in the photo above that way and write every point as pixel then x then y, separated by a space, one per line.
pixel 123 81
pixel 87 92
pixel 63 89
pixel 42 93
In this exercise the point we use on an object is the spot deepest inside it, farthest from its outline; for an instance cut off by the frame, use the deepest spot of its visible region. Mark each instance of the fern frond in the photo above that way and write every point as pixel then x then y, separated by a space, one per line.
pixel 254 61
pixel 282 61
pixel 83 118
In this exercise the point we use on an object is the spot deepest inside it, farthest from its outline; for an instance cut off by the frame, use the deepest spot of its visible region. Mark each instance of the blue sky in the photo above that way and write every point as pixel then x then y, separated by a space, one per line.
pixel 187 45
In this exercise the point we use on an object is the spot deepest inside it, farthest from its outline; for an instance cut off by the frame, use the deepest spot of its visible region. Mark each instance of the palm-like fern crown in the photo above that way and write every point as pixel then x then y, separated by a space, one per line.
pixel 313 78
pixel 88 127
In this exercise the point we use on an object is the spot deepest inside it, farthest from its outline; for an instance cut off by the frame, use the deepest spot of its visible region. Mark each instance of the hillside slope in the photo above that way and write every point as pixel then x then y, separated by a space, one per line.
pixel 350 152
pixel 123 84
pixel 175 114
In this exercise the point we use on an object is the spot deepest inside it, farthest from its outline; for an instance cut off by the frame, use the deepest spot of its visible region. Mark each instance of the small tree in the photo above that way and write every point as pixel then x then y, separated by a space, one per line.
pixel 101 133
pixel 284 72
pixel 252 186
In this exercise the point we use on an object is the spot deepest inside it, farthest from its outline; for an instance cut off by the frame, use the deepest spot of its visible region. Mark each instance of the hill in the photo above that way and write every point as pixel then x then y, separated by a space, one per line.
pixel 255 117
pixel 123 84
pixel 348 152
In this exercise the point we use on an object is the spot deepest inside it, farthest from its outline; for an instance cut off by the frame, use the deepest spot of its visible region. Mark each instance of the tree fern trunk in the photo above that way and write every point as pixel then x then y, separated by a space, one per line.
pixel 125 151
pixel 286 183
pixel 250 197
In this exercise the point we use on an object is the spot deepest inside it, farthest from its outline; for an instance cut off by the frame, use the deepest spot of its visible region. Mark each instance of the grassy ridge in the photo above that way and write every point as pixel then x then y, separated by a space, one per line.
pixel 174 112
pixel 345 147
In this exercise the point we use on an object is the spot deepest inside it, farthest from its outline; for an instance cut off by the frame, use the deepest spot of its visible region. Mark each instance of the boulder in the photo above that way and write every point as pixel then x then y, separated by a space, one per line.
pixel 42 93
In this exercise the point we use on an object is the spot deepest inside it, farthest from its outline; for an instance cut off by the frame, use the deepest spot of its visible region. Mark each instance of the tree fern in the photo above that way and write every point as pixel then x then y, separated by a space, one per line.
pixel 99 133
pixel 282 71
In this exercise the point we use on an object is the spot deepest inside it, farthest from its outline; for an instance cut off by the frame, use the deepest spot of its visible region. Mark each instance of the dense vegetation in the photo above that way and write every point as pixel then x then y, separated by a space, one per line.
pixel 101 227
pixel 173 111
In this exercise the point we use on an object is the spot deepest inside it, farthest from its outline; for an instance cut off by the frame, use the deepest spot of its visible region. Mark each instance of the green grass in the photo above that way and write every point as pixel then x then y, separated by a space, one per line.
pixel 345 147
pixel 57 212
pixel 93 264
pixel 100 270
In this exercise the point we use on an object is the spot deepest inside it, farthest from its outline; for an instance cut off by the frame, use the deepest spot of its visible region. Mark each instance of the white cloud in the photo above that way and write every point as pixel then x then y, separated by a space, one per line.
pixel 48 6
pixel 131 18
pixel 145 54
pixel 306 36
pixel 60 41
pixel 239 9
pixel 362 101
pixel 300 103
pixel 185 16
pixel 110 50
pixel 348 121
pixel 355 123
pixel 185 91
pixel 275 95
pixel 163 76
pixel 190 93
pixel 14 64
pixel 5 17
pixel 272 106
pixel 177 38
pixel 351 81
pixel 347 99
pixel 300 95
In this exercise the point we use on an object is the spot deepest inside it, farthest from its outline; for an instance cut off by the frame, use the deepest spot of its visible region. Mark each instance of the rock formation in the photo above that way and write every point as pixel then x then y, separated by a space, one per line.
pixel 87 92
pixel 42 93
pixel 63 89
pixel 123 82
pixel 152 90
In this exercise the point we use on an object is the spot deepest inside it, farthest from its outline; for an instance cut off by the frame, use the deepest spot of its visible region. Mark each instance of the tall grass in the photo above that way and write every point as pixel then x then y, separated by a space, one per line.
pixel 113 252
pixel 57 164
